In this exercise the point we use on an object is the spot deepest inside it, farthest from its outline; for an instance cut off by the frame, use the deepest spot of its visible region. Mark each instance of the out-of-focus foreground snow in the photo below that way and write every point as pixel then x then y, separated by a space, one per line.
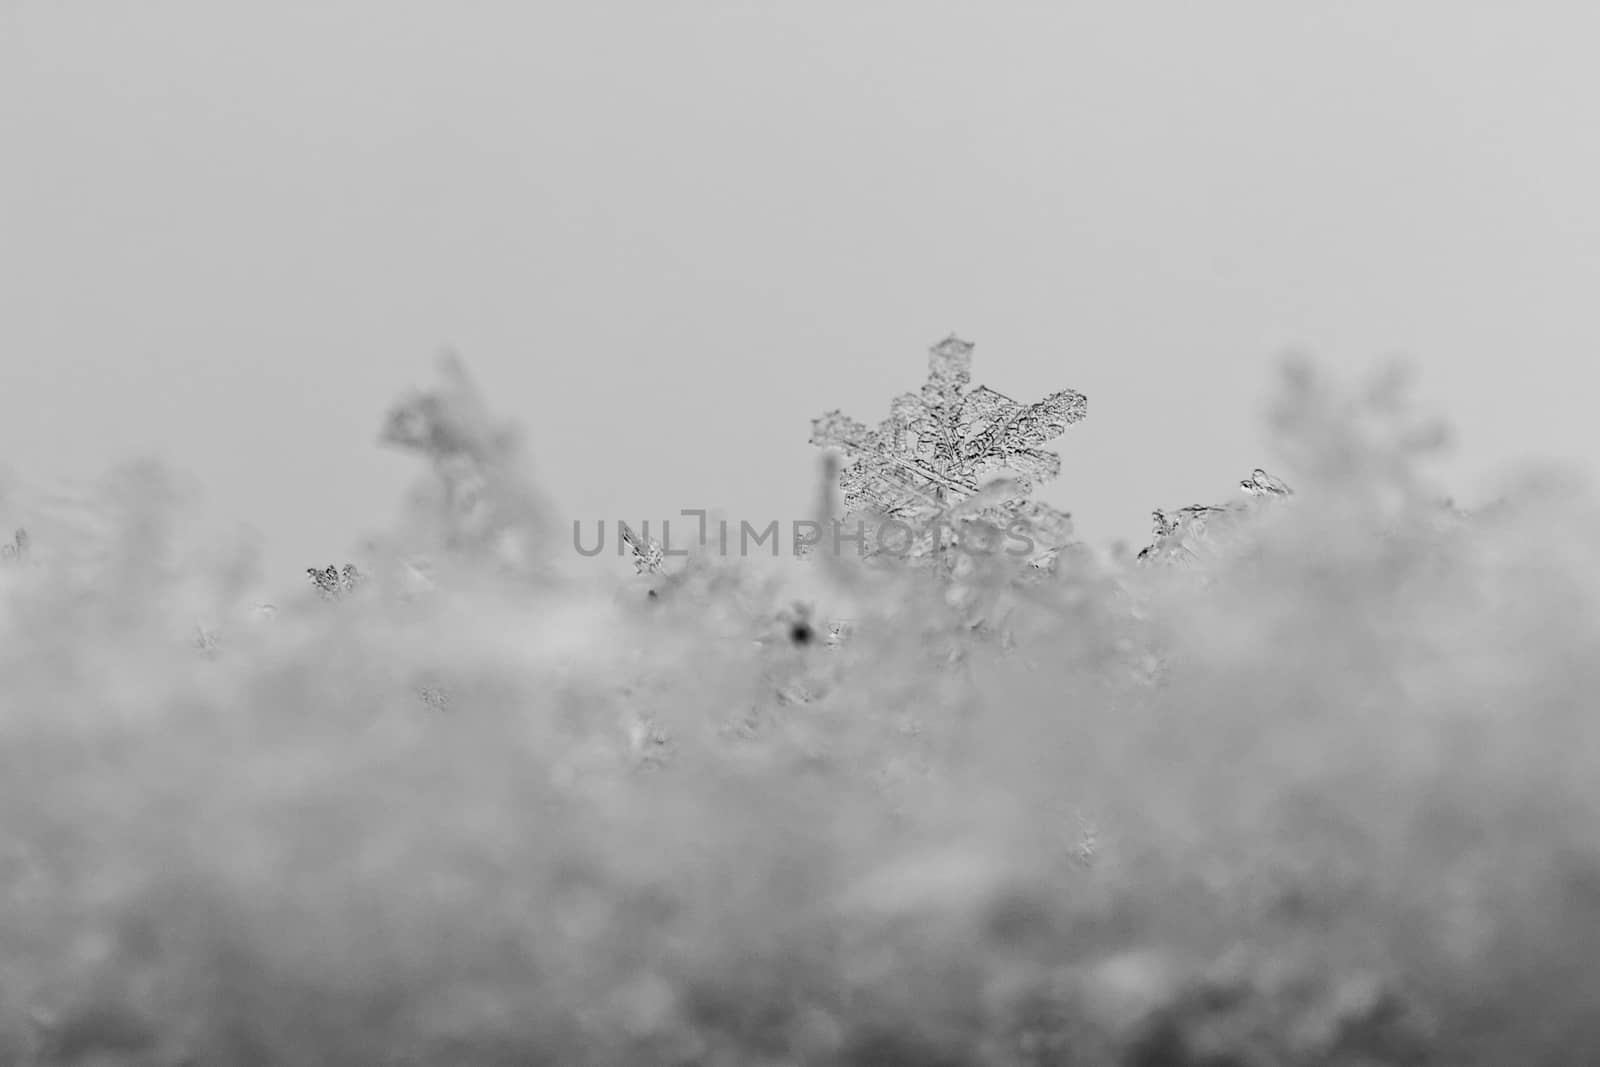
pixel 1329 796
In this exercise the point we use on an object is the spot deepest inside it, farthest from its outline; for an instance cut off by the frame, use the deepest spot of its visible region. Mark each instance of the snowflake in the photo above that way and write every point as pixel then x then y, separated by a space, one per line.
pixel 332 583
pixel 647 553
pixel 956 456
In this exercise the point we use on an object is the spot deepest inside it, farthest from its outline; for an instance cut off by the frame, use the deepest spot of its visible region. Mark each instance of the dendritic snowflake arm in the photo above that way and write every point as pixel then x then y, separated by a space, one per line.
pixel 950 363
pixel 997 433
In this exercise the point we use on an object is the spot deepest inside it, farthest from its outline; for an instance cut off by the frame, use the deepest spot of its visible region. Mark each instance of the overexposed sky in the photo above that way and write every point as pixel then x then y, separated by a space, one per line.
pixel 666 235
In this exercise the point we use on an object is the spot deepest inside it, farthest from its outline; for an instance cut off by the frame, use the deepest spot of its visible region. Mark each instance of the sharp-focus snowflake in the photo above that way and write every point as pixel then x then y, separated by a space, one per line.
pixel 956 456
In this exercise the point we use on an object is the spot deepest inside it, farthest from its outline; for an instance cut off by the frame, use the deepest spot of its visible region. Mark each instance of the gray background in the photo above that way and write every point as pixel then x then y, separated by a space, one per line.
pixel 667 235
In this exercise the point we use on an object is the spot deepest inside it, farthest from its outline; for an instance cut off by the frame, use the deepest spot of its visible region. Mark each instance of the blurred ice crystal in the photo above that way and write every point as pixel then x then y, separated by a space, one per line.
pixel 486 505
pixel 1086 844
pixel 946 455
pixel 449 423
pixel 16 548
pixel 205 639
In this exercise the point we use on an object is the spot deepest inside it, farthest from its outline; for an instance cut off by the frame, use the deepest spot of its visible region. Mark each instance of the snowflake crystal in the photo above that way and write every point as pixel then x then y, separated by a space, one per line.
pixel 647 553
pixel 949 454
pixel 1260 483
pixel 1190 532
pixel 333 584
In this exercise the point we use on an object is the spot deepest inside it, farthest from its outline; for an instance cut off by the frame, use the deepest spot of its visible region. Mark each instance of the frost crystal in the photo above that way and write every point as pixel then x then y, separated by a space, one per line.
pixel 1260 483
pixel 333 584
pixel 647 553
pixel 1190 532
pixel 956 456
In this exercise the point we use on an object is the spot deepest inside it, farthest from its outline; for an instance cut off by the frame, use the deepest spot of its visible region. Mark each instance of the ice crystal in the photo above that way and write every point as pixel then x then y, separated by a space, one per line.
pixel 451 423
pixel 473 456
pixel 205 639
pixel 1190 532
pixel 647 552
pixel 1085 847
pixel 958 457
pixel 1260 483
pixel 332 583
pixel 16 548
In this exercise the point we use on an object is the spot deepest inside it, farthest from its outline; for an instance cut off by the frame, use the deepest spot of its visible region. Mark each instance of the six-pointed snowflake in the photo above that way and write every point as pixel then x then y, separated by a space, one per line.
pixel 956 456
